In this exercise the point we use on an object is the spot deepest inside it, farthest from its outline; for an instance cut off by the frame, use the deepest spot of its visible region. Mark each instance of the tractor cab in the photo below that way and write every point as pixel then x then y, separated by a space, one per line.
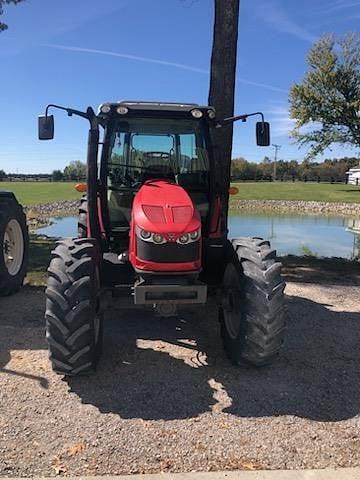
pixel 154 142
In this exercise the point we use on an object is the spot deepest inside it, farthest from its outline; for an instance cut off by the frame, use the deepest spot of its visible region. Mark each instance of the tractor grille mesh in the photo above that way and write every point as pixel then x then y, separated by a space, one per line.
pixel 154 213
pixel 182 214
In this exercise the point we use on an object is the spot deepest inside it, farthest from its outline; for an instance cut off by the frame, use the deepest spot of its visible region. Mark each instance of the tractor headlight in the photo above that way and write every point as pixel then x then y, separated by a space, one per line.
pixel 145 235
pixel 122 110
pixel 189 237
pixel 105 108
pixel 184 238
pixel 151 237
pixel 196 113
pixel 157 238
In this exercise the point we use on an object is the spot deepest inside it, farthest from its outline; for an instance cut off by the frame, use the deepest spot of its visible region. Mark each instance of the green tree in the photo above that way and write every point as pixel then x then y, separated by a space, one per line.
pixel 57 176
pixel 76 170
pixel 3 26
pixel 2 175
pixel 327 101
pixel 243 170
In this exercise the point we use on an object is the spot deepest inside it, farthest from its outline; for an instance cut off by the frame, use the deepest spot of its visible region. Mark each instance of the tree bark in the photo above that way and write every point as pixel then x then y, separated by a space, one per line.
pixel 222 88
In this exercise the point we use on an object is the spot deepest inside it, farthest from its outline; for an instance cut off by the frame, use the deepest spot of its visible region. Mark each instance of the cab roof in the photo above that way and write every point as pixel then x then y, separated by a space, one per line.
pixel 155 106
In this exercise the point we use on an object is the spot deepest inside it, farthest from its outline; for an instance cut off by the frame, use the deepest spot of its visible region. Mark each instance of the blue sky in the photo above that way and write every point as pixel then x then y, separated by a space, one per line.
pixel 86 52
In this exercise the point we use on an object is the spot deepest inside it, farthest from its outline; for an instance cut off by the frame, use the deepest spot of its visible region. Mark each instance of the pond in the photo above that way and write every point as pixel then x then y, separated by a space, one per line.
pixel 289 234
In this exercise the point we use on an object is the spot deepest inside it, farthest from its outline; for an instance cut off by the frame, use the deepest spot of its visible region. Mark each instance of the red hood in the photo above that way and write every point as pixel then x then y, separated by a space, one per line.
pixel 162 206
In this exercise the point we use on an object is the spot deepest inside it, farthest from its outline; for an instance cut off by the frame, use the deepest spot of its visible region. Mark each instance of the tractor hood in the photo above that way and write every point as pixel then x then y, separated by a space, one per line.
pixel 162 206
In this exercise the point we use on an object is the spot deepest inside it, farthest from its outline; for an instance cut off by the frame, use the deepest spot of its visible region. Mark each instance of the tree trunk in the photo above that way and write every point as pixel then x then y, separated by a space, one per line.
pixel 222 88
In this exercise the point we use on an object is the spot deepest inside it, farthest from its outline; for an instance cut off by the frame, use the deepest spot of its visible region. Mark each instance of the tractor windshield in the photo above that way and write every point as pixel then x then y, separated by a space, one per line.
pixel 144 149
pixel 152 148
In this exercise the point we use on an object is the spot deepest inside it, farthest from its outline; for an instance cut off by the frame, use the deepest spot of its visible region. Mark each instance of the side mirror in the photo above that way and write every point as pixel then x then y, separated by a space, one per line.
pixel 46 127
pixel 263 134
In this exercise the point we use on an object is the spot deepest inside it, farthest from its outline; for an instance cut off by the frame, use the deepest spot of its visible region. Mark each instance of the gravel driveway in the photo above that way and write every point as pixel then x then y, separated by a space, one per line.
pixel 165 398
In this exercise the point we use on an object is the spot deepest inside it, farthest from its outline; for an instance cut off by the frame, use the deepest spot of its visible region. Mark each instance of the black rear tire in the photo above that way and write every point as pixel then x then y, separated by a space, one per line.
pixel 252 312
pixel 12 226
pixel 82 221
pixel 73 315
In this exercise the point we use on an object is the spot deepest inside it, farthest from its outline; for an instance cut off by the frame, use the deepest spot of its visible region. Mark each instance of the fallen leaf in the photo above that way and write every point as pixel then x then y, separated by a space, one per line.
pixel 58 466
pixel 249 465
pixel 77 448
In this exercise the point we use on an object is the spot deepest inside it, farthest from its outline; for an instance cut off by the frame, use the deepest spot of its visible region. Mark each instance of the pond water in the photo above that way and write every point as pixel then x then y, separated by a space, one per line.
pixel 297 235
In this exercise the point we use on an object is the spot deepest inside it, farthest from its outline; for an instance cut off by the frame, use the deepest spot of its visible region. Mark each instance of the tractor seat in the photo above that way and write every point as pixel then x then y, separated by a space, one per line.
pixel 156 170
pixel 201 202
pixel 120 204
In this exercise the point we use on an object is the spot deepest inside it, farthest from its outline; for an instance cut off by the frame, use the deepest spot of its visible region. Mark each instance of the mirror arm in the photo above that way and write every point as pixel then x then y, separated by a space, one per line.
pixel 89 114
pixel 243 118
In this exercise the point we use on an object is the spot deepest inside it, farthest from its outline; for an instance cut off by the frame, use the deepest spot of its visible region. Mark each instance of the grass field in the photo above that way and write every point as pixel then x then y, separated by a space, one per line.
pixel 320 192
pixel 31 193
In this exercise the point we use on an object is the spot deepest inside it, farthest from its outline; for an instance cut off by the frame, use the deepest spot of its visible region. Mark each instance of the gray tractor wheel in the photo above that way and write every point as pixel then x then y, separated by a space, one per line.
pixel 14 245
pixel 82 221
pixel 252 311
pixel 73 316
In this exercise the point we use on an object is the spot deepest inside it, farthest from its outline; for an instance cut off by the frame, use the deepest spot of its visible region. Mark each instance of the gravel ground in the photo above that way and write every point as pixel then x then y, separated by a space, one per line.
pixel 165 398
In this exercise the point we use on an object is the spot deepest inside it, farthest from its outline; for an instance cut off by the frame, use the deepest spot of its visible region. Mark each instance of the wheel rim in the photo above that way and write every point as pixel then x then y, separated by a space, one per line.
pixel 231 301
pixel 13 247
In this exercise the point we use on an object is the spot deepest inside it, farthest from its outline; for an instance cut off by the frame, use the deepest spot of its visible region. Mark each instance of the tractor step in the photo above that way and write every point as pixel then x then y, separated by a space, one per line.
pixel 176 292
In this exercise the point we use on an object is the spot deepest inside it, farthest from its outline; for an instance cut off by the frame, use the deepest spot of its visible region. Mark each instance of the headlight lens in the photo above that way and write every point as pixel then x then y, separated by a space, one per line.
pixel 157 238
pixel 122 110
pixel 184 238
pixel 105 108
pixel 194 235
pixel 196 113
pixel 144 234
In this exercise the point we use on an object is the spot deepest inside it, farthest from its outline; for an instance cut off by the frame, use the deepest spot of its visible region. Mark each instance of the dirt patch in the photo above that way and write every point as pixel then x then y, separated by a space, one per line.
pixel 165 397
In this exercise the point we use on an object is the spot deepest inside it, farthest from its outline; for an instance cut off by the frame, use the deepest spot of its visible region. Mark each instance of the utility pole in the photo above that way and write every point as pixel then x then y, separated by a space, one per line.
pixel 277 148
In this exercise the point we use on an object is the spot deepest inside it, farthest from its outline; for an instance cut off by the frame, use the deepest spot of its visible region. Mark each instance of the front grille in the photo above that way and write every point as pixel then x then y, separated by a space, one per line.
pixel 170 252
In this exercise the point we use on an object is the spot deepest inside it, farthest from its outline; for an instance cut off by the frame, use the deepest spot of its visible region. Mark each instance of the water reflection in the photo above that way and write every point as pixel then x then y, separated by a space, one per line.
pixel 289 234
pixel 298 235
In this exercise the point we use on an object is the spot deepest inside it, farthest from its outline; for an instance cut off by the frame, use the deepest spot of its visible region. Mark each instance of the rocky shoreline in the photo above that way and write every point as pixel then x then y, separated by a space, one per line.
pixel 297 207
pixel 41 215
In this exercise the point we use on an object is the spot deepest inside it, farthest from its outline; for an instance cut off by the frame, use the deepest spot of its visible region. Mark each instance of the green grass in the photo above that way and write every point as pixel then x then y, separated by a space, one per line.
pixel 31 193
pixel 39 258
pixel 320 192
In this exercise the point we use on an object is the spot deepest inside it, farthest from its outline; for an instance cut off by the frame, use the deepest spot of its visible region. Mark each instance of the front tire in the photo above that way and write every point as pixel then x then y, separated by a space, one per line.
pixel 82 221
pixel 73 316
pixel 252 311
pixel 14 246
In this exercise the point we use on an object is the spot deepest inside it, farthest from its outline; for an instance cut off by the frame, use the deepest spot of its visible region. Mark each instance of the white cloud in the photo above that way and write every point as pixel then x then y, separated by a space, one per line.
pixel 128 57
pixel 281 123
pixel 273 15
pixel 343 4
pixel 166 63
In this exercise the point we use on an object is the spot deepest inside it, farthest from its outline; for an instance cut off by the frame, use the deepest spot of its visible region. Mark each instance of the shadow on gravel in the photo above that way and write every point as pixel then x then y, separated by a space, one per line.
pixel 317 376
pixel 20 327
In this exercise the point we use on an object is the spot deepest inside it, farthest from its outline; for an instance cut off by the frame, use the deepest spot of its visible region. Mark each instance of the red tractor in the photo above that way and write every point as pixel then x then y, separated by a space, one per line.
pixel 153 229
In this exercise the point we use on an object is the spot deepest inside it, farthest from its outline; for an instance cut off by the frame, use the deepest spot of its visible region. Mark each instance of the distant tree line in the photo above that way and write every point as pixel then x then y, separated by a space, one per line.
pixel 75 171
pixel 330 170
